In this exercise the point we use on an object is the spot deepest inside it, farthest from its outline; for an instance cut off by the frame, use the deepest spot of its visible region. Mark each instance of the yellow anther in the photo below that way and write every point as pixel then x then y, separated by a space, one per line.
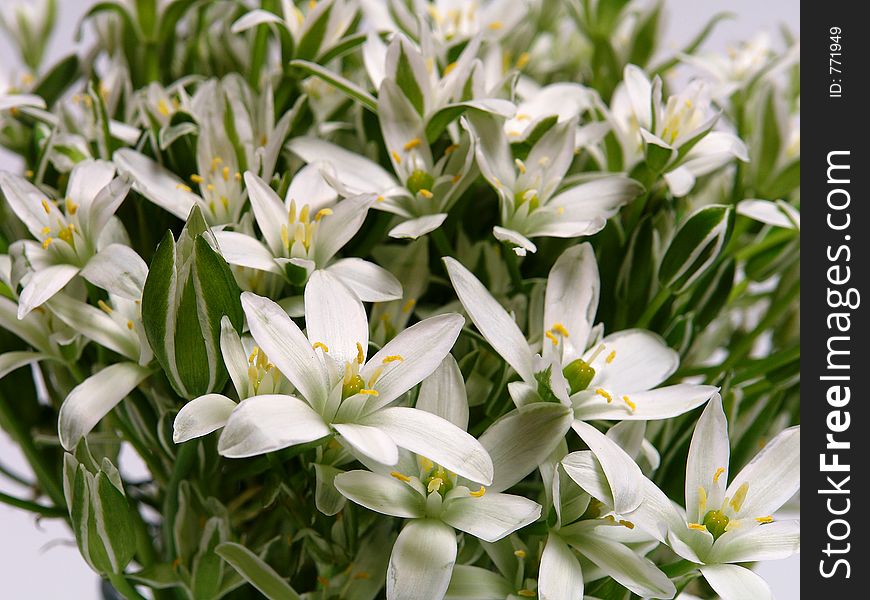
pixel 226 173
pixel 560 329
pixel 374 377
pixel 520 553
pixel 197 178
pixel 361 575
pixel 285 236
pixel 626 524
pixel 522 60
pixel 496 182
pixel 426 464
pixel 129 324
pixel 393 358
pixel 425 193
pixel 522 117
pixel 183 188
pixel 29 174
pixel 237 176
pixel 520 165
pixel 455 179
pixel 762 520
pixel 323 212
pixel 217 160
pixel 739 497
pixel 303 214
pixel 551 337
pixel 210 187
pixel 451 149
pixel 225 202
pixel 360 355
pixel 46 230
pixel 400 476
pixel 411 144
pixel 163 108
pixel 544 161
pixel 479 493
pixel 610 357
pixel 367 392
pixel 396 157
pixel 320 345
pixel 718 474
pixel 409 305
pixel 526 593
pixel 702 499
pixel 604 394
pixel 495 25
pixel 630 404
pixel 47 242
pixel 435 484
pixel 253 356
pixel 104 307
pixel 322 581
pixel 449 68
pixel 380 199
pixel 46 207
pixel 71 207
pixel 697 527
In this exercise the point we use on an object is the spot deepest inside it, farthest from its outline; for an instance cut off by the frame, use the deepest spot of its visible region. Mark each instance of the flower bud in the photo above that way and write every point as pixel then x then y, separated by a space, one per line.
pixel 188 289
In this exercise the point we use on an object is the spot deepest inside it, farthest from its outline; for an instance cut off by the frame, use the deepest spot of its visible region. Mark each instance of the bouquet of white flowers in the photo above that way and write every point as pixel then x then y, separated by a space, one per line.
pixel 407 299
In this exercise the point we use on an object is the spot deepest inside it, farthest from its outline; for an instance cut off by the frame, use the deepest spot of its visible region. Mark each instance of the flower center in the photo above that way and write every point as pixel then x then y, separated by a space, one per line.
pixel 420 182
pixel 259 368
pixel 300 230
pixel 716 522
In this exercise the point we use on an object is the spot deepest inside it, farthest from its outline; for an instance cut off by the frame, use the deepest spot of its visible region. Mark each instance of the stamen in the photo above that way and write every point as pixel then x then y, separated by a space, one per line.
pixel 104 307
pixel 362 575
pixel 237 176
pixel 197 178
pixel 630 404
pixel 163 108
pixel 71 207
pixel 479 493
pixel 451 149
pixel 425 193
pixel 396 157
pixel 610 357
pixel 595 354
pixel 210 187
pixel 323 212
pixel 560 329
pixel 520 553
pixel 183 188
pixel 604 394
pixel 435 484
pixel 253 356
pixel 413 143
pixel 46 207
pixel 367 392
pixel 522 60
pixel 400 477
pixel 320 345
pixel 718 474
pixel 626 524
pixel 495 25
pixel 47 242
pixel 737 502
pixel 763 520
pixel 46 230
pixel 697 527
pixel 526 593
pixel 549 335
pixel 226 173
pixel 702 499
pixel 374 377
pixel 129 324
pixel 448 69
pixel 393 358
pixel 409 305
pixel 360 357
pixel 520 165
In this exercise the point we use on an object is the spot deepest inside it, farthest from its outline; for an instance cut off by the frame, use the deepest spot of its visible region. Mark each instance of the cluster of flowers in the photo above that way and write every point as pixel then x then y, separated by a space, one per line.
pixel 392 298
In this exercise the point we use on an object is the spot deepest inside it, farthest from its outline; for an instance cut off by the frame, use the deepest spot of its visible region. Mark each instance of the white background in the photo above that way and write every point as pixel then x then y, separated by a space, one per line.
pixel 39 561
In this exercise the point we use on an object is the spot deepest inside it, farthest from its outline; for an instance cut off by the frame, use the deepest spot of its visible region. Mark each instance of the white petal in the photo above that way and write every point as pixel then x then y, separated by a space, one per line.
pixel 635 572
pixel 493 151
pixel 571 298
pixel 733 582
pixel 779 214
pixel 523 439
pixel 201 416
pixel 96 325
pixel 421 347
pixel 118 270
pixel 25 199
pixel 254 18
pixel 369 282
pixel 400 124
pixel 597 199
pixel 42 285
pixel 680 181
pixel 104 205
pixel 235 358
pixel 335 230
pixel 263 424
pixel 269 211
pixel 623 474
pixel 438 440
pixel 155 182
pixel 443 393
pixel 422 561
pixel 334 316
pixel 560 576
pixel 773 475
pixel 357 173
pixel 661 403
pixel 639 90
pixel 709 451
pixel 491 516
pixel 370 441
pixel 494 323
pixel 286 346
pixel 8 101
pixel 510 236
pixel 773 541
pixel 87 179
pixel 94 398
pixel 244 251
pixel 309 187
pixel 382 494
pixel 414 228
pixel 10 361
pixel 642 361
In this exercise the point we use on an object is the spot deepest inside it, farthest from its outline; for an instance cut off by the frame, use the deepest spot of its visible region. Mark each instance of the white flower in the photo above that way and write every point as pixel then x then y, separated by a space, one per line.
pixel 734 68
pixel 74 236
pixel 342 390
pixel 532 198
pixel 304 232
pixel 722 525
pixel 616 378
pixel 29 24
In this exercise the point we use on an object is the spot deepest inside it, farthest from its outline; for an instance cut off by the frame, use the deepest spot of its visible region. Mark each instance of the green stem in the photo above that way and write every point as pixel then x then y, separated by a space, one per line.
pixel 653 307
pixel 183 463
pixel 34 507
pixel 513 265
pixel 440 239
pixel 678 568
pixel 157 469
pixel 13 476
pixel 123 587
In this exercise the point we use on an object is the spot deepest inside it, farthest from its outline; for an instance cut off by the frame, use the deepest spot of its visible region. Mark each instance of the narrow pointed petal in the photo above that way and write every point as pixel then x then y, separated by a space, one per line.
pixel 571 299
pixel 773 475
pixel 642 361
pixel 438 440
pixel 25 200
pixel 660 403
pixel 560 576
pixel 10 361
pixel 491 516
pixel 414 228
pixel 422 561
pixel 639 89
pixel 421 349
pixel 494 323
pixel 623 474
pixel 155 182
pixel 309 187
pixel 368 281
pixel 733 582
pixel 286 346
pixel 336 229
pixel 263 424
pixel 94 398
pixel 235 358
pixel 597 199
pixel 201 416
pixel 773 541
pixel 42 285
pixel 118 270
pixel 709 452
pixel 381 493
pixel 334 316
pixel 443 394
pixel 370 441
pixel 357 173
pixel 104 205
pixel 269 211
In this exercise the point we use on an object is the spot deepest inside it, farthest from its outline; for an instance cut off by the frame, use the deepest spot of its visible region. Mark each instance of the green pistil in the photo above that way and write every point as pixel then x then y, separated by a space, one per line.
pixel 579 375
pixel 420 180
pixel 352 387
pixel 715 521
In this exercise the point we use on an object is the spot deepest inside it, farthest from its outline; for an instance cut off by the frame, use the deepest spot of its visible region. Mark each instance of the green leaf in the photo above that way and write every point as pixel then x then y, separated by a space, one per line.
pixel 208 567
pixel 58 79
pixel 343 85
pixel 257 572
pixel 785 182
pixel 159 576
pixel 770 136
pixel 158 298
pixel 696 246
pixel 311 40
pixel 407 82
pixel 114 522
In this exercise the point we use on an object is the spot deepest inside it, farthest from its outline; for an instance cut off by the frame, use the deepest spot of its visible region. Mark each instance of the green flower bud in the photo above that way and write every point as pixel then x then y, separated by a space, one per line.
pixel 695 247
